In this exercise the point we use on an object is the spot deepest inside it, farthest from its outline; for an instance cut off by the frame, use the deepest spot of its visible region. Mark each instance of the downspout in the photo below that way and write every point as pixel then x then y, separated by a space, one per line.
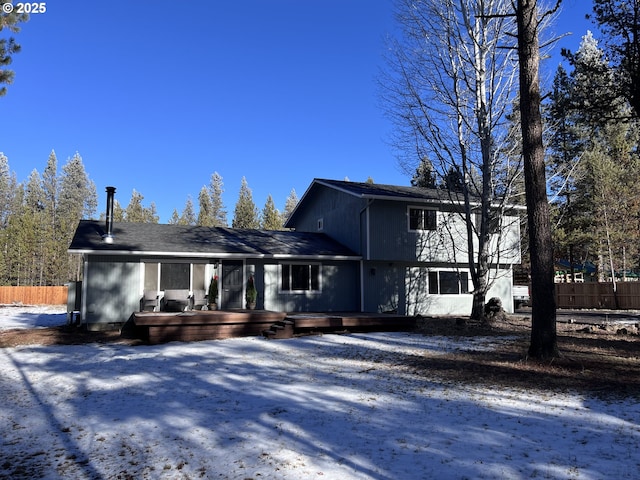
pixel 83 300
pixel 367 253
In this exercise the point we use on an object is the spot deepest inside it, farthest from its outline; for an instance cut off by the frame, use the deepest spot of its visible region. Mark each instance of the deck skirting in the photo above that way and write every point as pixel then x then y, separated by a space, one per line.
pixel 162 327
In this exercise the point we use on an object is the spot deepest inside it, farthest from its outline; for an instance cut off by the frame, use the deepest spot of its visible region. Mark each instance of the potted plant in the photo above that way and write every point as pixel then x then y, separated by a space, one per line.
pixel 213 293
pixel 252 293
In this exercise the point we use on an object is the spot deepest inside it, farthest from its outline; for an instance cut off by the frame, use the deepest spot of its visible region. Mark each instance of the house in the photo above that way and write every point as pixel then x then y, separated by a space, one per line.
pixel 412 243
pixel 353 247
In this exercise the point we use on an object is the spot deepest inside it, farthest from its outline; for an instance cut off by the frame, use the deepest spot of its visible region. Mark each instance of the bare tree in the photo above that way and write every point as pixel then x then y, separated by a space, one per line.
pixel 451 88
pixel 543 323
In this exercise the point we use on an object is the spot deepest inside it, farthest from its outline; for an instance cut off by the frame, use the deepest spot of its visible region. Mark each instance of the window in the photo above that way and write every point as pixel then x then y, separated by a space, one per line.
pixel 320 224
pixel 422 219
pixel 175 276
pixel 448 283
pixel 493 223
pixel 298 277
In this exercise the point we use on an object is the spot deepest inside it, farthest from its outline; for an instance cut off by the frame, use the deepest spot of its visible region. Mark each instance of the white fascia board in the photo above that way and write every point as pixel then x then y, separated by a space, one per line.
pixel 314 257
pixel 145 253
pixel 140 253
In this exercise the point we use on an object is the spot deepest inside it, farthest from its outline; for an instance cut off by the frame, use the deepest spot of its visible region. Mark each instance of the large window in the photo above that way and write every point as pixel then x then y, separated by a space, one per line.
pixel 448 283
pixel 422 219
pixel 300 277
pixel 494 222
pixel 175 276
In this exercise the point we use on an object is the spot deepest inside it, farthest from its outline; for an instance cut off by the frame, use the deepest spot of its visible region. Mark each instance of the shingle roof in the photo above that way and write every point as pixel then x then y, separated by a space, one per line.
pixel 190 241
pixel 362 190
pixel 391 192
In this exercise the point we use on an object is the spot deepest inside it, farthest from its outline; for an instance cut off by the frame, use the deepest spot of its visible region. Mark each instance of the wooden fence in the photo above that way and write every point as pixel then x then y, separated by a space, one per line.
pixel 33 295
pixel 598 295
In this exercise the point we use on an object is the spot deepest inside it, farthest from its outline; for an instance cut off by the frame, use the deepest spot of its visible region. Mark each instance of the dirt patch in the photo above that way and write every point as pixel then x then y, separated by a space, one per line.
pixel 599 359
pixel 62 335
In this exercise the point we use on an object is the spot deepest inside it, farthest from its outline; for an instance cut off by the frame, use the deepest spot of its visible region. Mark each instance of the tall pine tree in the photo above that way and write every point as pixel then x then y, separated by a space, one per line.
pixel 188 216
pixel 205 209
pixel 619 22
pixel 271 218
pixel 77 200
pixel 246 213
pixel 289 205
pixel 218 210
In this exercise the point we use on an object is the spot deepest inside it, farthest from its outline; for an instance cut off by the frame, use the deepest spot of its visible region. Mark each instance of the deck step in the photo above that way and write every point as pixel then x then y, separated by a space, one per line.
pixel 279 330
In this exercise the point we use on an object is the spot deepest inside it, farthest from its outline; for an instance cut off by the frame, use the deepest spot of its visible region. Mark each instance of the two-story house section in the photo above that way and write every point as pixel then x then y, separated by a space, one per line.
pixel 412 243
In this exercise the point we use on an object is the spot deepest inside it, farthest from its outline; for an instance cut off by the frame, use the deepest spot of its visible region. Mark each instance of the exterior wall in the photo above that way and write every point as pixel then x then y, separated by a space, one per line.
pixel 339 213
pixel 506 245
pixel 339 291
pixel 390 238
pixel 110 291
pixel 113 288
pixel 501 288
pixel 403 288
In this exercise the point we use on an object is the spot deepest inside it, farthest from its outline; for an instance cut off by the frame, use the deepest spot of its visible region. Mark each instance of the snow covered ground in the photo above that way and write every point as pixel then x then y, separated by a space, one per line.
pixel 19 317
pixel 334 407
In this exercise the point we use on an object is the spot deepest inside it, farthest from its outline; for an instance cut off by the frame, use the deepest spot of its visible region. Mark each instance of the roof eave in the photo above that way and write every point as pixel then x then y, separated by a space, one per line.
pixel 278 256
pixel 316 257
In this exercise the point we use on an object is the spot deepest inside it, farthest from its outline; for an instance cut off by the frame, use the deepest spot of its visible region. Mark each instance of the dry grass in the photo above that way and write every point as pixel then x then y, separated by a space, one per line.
pixel 592 359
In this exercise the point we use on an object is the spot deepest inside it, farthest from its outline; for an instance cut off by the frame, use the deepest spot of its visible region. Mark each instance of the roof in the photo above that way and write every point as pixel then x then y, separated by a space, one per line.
pixel 376 191
pixel 389 192
pixel 149 239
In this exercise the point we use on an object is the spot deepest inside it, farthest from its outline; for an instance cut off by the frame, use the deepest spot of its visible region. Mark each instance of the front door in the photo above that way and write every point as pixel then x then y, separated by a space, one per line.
pixel 232 279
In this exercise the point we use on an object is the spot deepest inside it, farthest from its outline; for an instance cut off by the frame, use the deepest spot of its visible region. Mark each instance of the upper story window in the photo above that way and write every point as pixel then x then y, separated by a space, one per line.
pixel 494 222
pixel 422 219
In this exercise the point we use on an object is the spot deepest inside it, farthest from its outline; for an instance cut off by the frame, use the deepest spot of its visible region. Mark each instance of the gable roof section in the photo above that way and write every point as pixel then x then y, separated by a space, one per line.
pixel 149 239
pixel 387 192
pixel 375 191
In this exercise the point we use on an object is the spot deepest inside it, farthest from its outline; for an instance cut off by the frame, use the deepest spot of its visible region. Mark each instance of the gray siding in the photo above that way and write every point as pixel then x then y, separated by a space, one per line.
pixel 404 288
pixel 339 213
pixel 111 291
pixel 391 239
pixel 339 292
pixel 383 287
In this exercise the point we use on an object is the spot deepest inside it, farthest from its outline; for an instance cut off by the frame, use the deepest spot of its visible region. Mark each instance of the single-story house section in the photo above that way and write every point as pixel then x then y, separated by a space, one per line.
pixel 352 247
pixel 292 271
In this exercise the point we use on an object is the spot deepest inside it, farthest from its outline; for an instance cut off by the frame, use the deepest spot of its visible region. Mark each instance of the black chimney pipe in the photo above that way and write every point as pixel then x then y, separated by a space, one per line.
pixel 108 237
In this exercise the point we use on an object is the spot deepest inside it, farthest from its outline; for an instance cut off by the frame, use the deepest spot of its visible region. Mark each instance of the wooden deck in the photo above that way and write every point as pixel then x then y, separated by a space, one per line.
pixel 161 327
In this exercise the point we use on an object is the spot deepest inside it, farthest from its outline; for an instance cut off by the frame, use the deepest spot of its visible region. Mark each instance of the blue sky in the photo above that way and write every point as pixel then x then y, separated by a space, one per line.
pixel 157 95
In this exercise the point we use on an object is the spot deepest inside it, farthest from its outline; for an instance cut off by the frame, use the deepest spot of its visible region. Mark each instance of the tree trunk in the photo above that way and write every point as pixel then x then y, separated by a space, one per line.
pixel 543 323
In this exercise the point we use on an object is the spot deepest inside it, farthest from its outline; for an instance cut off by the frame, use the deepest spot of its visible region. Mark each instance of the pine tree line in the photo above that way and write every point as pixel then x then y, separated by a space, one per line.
pixel 213 213
pixel 594 166
pixel 38 218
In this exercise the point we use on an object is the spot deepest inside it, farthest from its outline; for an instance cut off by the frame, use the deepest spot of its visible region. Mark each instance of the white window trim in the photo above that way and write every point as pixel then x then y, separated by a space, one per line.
pixel 422 208
pixel 458 271
pixel 159 263
pixel 299 292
